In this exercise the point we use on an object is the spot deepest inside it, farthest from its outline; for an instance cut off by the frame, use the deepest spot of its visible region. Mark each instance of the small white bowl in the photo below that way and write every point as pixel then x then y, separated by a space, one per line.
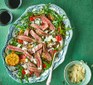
pixel 87 73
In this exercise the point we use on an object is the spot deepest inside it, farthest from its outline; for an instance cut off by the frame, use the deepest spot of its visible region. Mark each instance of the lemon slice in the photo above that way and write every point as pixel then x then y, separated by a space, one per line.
pixel 12 59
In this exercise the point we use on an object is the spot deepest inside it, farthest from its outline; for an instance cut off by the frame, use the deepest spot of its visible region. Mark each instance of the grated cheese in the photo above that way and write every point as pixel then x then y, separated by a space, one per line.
pixel 76 73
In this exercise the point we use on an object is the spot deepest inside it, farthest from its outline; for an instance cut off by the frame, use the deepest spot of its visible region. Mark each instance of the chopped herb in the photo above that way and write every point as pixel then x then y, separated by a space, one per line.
pixel 68 28
pixel 55 23
pixel 19 53
pixel 8 52
pixel 13 42
pixel 26 77
pixel 48 64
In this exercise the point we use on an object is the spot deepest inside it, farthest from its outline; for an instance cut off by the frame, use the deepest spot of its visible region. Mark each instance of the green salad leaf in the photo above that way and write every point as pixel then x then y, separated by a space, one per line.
pixel 13 42
pixel 48 64
pixel 26 77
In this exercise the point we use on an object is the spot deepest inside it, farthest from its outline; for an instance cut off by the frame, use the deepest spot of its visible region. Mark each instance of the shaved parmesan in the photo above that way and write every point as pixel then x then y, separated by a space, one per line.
pixel 40 68
pixel 49 38
pixel 24 48
pixel 24 66
pixel 76 73
pixel 27 71
pixel 19 45
pixel 25 42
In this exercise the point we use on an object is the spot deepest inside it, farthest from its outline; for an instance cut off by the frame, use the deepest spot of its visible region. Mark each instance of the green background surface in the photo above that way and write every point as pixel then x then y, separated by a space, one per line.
pixel 80 13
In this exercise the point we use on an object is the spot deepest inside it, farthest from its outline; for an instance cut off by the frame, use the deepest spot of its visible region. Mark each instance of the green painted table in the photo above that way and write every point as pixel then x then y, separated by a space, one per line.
pixel 80 13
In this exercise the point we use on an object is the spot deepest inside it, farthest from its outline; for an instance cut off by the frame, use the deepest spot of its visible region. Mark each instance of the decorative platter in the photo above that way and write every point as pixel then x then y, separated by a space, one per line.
pixel 13 73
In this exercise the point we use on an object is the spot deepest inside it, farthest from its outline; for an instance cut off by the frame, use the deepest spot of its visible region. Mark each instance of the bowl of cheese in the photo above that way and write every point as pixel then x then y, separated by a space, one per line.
pixel 77 73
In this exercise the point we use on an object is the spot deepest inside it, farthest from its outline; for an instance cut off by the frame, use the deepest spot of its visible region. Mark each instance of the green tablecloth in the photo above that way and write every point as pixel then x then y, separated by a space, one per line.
pixel 80 13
